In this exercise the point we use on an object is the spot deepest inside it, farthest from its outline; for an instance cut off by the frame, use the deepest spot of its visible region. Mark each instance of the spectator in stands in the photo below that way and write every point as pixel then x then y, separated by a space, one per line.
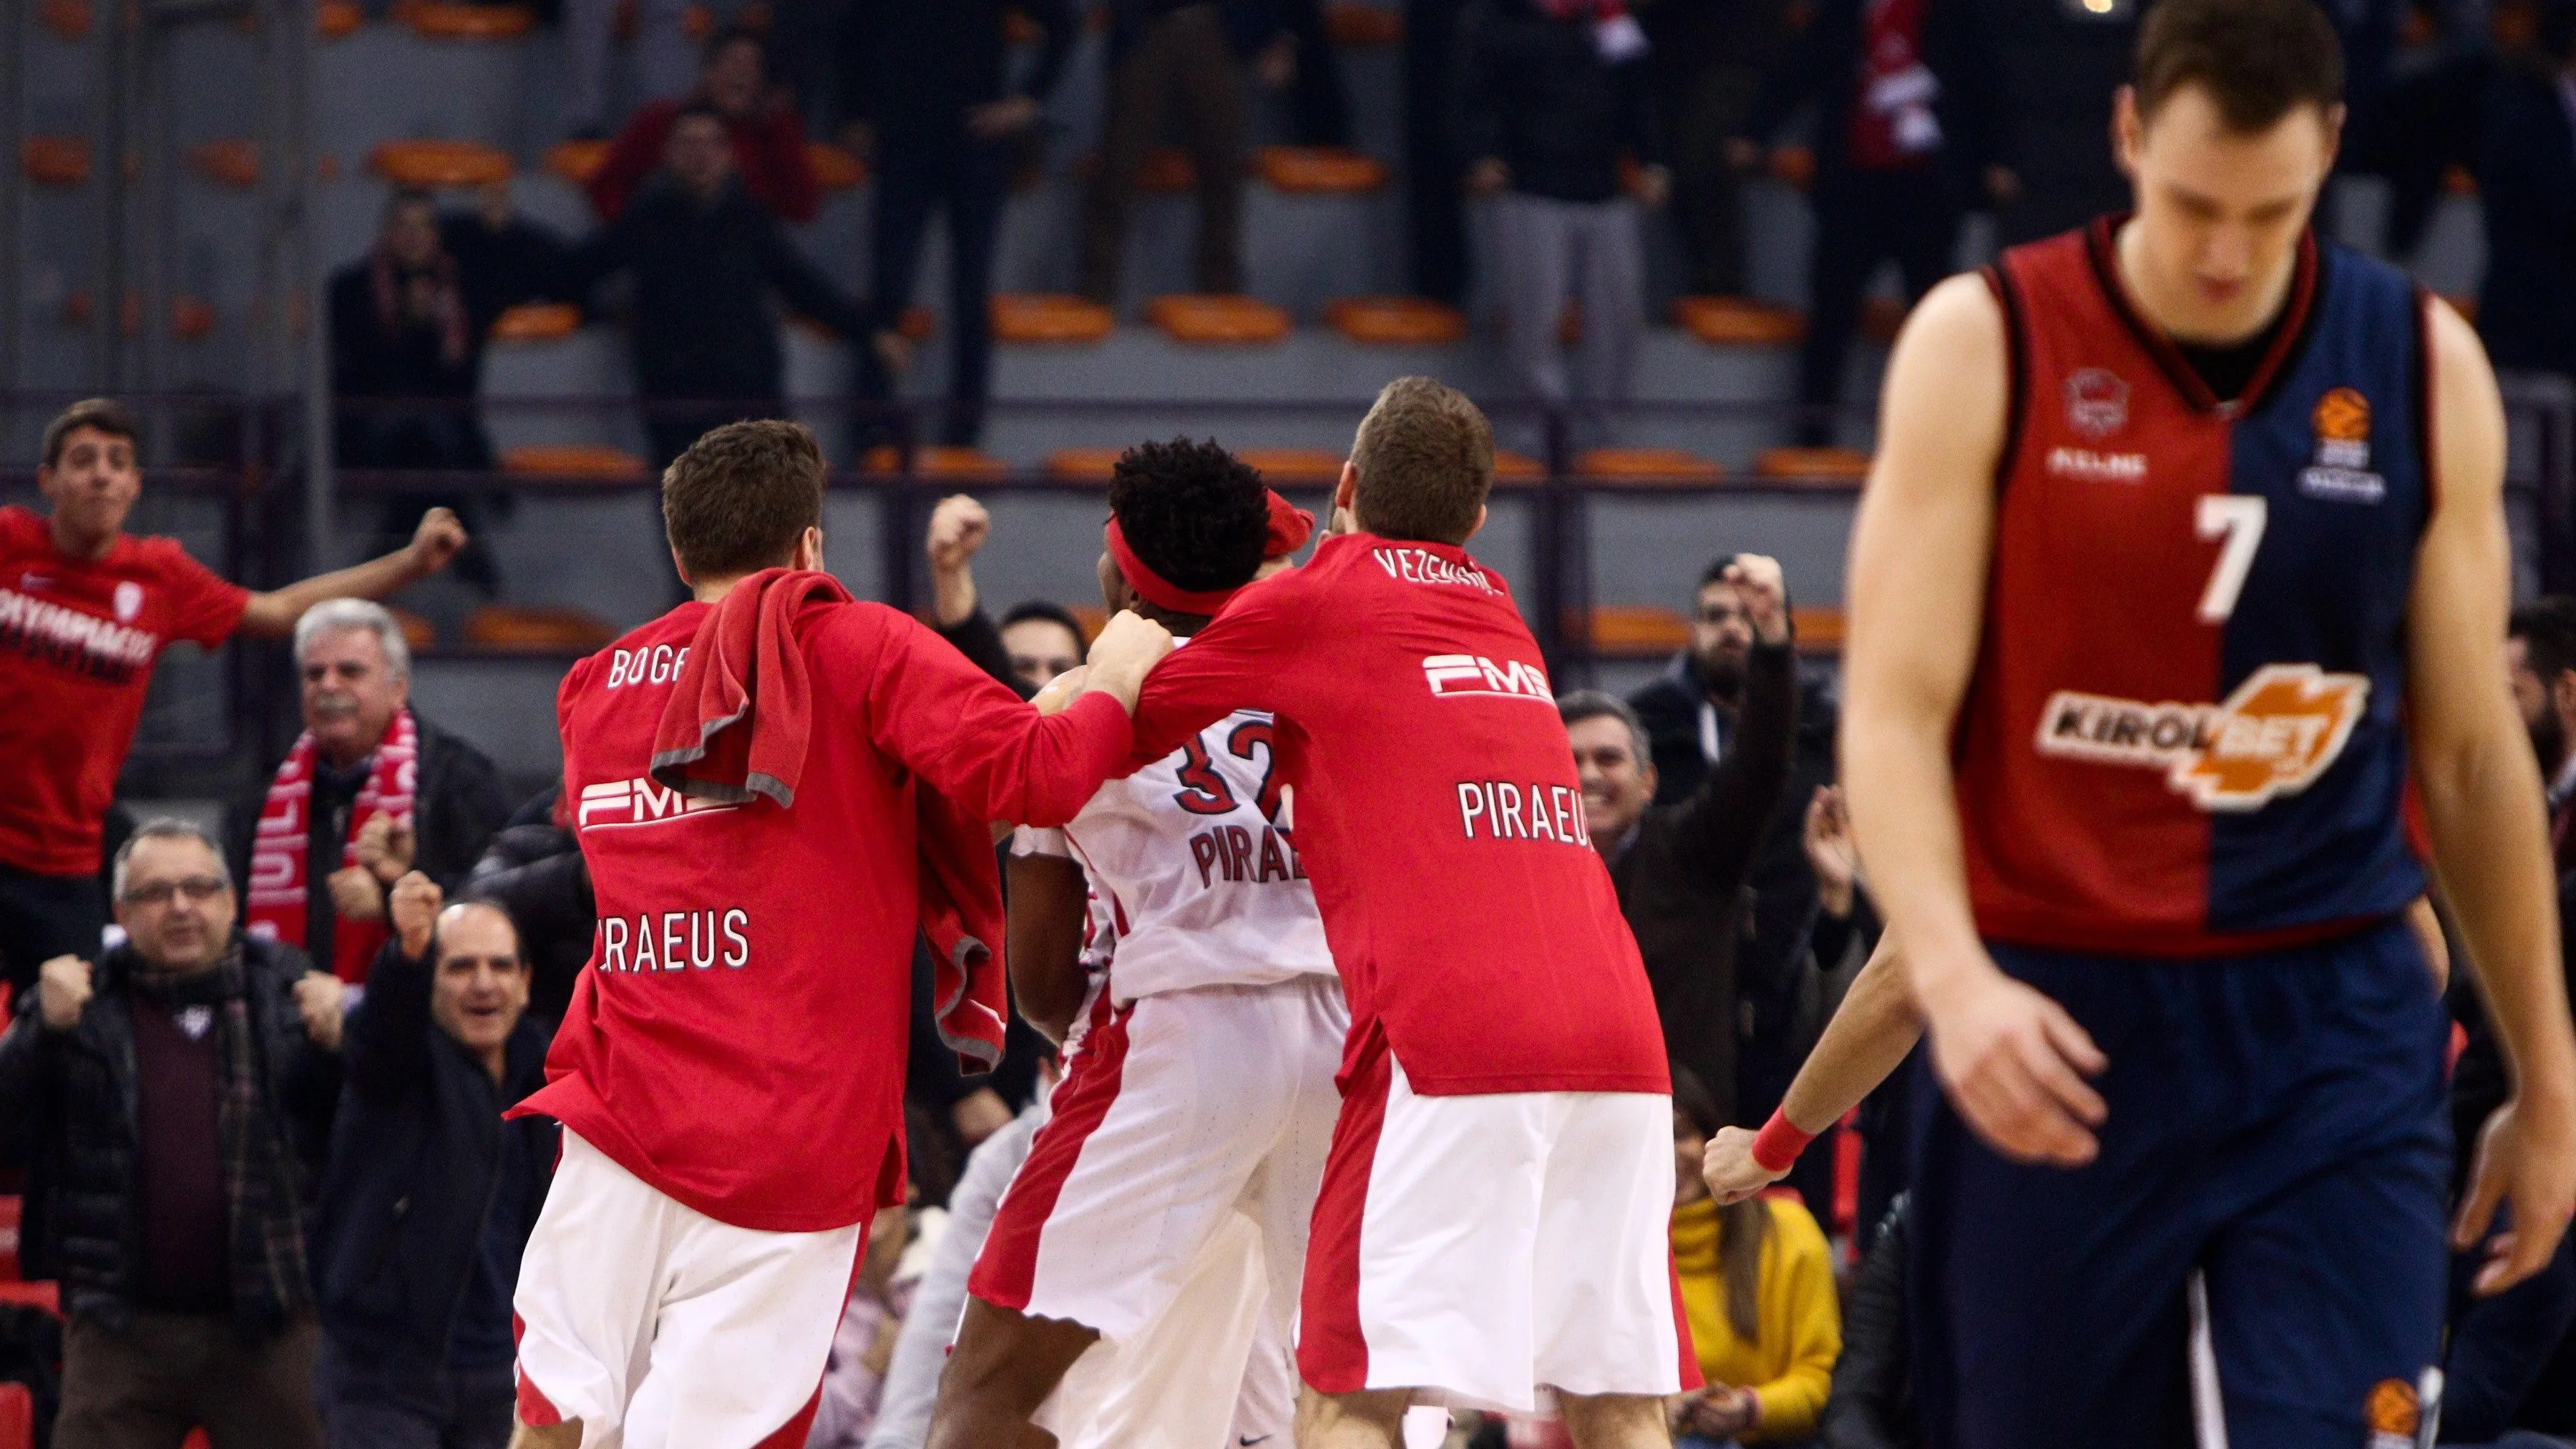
pixel 369 792
pixel 533 871
pixel 705 259
pixel 408 325
pixel 1552 96
pixel 178 1091
pixel 1319 106
pixel 1434 172
pixel 758 122
pixel 1708 60
pixel 1680 868
pixel 1187 56
pixel 1043 639
pixel 662 56
pixel 1695 715
pixel 2541 649
pixel 84 610
pixel 2527 186
pixel 1872 1405
pixel 950 128
pixel 429 1197
pixel 1757 1282
pixel 1911 122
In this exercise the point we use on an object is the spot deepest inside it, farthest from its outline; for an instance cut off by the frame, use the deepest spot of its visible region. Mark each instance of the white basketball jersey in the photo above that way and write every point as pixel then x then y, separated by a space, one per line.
pixel 1193 859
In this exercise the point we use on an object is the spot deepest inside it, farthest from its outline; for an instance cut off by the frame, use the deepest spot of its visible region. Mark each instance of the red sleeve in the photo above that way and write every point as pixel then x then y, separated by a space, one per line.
pixel 575 680
pixel 1236 662
pixel 976 742
pixel 631 158
pixel 203 608
pixel 785 167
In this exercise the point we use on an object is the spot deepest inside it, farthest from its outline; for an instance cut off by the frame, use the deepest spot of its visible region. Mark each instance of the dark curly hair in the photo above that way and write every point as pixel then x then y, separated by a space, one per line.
pixel 1193 512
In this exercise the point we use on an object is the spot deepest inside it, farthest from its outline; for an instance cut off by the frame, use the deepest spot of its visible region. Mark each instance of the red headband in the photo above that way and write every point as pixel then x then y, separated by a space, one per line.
pixel 1290 526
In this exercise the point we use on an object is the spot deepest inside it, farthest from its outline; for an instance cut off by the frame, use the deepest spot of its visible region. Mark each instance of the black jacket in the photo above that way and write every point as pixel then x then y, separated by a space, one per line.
pixel 456 805
pixel 1872 1404
pixel 704 274
pixel 2527 185
pixel 1680 878
pixel 83 1220
pixel 916 69
pixel 1775 1003
pixel 1824 67
pixel 533 870
pixel 415 1160
pixel 1536 94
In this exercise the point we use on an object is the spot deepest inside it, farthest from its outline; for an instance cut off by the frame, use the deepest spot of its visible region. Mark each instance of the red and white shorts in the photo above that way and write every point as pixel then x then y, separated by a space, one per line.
pixel 658 1327
pixel 1479 1250
pixel 1179 1112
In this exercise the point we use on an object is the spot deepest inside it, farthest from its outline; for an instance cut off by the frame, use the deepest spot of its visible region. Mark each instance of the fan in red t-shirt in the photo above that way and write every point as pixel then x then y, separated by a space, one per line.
pixel 85 608
pixel 1502 1031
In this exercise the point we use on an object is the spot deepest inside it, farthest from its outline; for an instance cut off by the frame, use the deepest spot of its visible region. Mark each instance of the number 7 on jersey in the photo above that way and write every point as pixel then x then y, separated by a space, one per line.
pixel 2238 518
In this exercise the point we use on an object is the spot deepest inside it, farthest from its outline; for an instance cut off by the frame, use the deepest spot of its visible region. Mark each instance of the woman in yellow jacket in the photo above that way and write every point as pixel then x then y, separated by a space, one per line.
pixel 1758 1284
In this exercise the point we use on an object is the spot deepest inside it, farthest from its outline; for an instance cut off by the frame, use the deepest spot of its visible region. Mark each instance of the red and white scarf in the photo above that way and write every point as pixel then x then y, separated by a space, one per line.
pixel 280 876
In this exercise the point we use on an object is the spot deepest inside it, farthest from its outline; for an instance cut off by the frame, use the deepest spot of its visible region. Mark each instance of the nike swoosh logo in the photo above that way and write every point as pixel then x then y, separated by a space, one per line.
pixel 1255 1439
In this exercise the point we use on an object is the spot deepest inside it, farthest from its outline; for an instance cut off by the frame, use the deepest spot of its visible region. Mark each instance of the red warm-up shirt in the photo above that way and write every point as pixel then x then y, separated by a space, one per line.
pixel 768 153
pixel 738 1038
pixel 77 642
pixel 1437 812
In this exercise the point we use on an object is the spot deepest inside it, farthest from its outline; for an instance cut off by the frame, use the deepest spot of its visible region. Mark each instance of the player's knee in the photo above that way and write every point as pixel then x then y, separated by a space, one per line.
pixel 566 1435
pixel 1615 1421
pixel 1364 1420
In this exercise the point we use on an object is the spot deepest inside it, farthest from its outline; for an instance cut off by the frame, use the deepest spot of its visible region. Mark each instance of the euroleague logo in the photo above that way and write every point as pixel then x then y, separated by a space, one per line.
pixel 2284 727
pixel 2342 470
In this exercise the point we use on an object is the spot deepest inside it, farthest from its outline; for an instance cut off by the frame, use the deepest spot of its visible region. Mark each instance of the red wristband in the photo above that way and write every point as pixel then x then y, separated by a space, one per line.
pixel 1777 1145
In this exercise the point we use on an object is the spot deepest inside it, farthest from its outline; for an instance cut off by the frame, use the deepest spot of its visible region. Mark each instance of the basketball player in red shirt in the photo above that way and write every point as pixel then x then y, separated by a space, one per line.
pixel 777 789
pixel 2183 552
pixel 85 609
pixel 1492 1225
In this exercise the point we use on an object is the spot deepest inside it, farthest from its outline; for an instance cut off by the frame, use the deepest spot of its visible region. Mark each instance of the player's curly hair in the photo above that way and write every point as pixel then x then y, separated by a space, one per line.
pixel 1193 512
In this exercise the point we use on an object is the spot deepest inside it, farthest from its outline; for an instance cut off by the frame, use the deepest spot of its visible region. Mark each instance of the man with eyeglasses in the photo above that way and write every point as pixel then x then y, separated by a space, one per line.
pixel 178 1090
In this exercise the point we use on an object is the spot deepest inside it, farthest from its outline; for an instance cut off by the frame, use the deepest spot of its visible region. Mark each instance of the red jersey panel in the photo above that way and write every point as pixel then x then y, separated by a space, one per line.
pixel 77 643
pixel 1437 813
pixel 2183 733
pixel 738 1040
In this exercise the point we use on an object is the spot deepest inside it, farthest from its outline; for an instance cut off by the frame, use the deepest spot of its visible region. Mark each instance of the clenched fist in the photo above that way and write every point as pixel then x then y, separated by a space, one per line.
pixel 1128 647
pixel 322 1000
pixel 385 846
pixel 62 989
pixel 356 894
pixel 436 543
pixel 415 907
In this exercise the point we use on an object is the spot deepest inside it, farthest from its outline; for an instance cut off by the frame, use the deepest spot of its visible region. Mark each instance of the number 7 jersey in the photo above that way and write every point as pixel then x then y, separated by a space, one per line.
pixel 2184 736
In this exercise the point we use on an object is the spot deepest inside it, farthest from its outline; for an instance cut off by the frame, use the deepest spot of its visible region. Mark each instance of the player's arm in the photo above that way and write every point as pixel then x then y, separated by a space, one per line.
pixel 1049 903
pixel 2011 1060
pixel 1864 1043
pixel 2482 796
pixel 1236 662
pixel 433 544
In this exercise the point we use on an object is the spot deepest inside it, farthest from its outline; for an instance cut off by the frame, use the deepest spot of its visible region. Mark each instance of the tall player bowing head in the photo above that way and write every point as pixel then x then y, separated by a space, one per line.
pixel 2184 548
pixel 1502 1031
pixel 775 788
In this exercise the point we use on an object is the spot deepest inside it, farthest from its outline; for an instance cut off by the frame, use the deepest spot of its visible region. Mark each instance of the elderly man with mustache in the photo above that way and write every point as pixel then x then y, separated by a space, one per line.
pixel 368 792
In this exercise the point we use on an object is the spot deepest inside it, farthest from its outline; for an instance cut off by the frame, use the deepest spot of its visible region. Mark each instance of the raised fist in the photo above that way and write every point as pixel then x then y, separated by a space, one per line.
pixel 437 541
pixel 322 999
pixel 385 846
pixel 62 989
pixel 414 909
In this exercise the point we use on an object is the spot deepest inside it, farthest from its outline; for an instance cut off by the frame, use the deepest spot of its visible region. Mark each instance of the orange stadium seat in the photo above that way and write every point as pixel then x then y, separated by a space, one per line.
pixel 1647 465
pixel 1294 466
pixel 1354 22
pixel 1820 629
pixel 537 322
pixel 1737 321
pixel 571 460
pixel 444 20
pixel 535 628
pixel 56 160
pixel 68 19
pixel 1794 166
pixel 417 632
pixel 1082 465
pixel 191 318
pixel 1812 465
pixel 1092 617
pixel 2458 180
pixel 1634 631
pixel 234 162
pixel 837 169
pixel 1319 169
pixel 1218 320
pixel 1167 170
pixel 576 161
pixel 337 19
pixel 1517 469
pixel 1396 321
pixel 440 163
pixel 965 465
pixel 1048 317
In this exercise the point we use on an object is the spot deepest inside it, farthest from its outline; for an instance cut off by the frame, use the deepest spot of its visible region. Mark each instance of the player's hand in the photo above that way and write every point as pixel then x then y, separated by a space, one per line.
pixel 414 909
pixel 1730 1170
pixel 1831 852
pixel 385 846
pixel 1128 647
pixel 1062 689
pixel 62 990
pixel 322 999
pixel 436 542
pixel 1756 579
pixel 356 894
pixel 2527 1160
pixel 2014 1063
